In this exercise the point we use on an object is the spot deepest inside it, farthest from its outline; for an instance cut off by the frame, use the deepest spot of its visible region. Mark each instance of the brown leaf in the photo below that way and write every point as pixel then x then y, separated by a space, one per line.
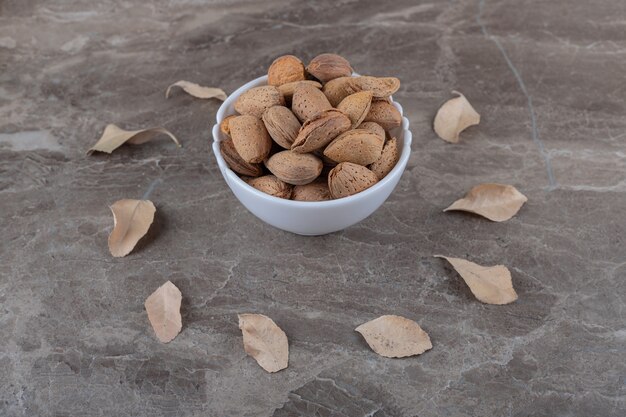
pixel 197 90
pixel 163 307
pixel 114 137
pixel 497 202
pixel 453 117
pixel 395 336
pixel 489 284
pixel 131 221
pixel 264 341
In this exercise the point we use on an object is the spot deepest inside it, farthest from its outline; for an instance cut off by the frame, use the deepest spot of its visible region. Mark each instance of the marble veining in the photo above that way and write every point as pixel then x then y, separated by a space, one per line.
pixel 548 80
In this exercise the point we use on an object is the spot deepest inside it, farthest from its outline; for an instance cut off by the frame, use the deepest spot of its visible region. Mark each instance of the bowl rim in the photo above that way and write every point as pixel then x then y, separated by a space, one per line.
pixel 226 171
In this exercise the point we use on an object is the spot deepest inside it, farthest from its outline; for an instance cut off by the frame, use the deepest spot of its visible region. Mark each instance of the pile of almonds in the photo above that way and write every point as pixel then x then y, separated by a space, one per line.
pixel 314 133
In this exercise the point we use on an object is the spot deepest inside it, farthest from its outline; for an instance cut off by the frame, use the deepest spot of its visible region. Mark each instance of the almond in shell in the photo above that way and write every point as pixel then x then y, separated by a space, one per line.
pixel 359 146
pixel 250 138
pixel 271 185
pixel 295 168
pixel 282 125
pixel 236 162
pixel 308 101
pixel 356 106
pixel 285 69
pixel 315 191
pixel 338 89
pixel 347 179
pixel 287 89
pixel 318 132
pixel 224 128
pixel 375 128
pixel 388 159
pixel 258 99
pixel 326 67
pixel 379 86
pixel 384 114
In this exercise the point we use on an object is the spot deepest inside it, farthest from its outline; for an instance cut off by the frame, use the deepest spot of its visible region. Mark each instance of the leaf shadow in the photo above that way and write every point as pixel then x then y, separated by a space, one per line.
pixel 157 228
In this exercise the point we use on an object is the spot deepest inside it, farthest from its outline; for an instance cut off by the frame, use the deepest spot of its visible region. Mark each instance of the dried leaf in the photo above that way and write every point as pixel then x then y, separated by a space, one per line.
pixel 197 90
pixel 489 284
pixel 131 221
pixel 453 117
pixel 114 137
pixel 264 341
pixel 163 307
pixel 497 202
pixel 395 337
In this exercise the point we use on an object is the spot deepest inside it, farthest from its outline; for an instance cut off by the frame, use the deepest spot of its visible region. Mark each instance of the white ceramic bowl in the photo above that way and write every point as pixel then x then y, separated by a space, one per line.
pixel 306 217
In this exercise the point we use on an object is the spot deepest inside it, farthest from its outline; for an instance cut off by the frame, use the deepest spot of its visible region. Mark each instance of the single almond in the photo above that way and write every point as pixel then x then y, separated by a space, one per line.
pixel 356 106
pixel 250 138
pixel 318 132
pixel 375 128
pixel 285 69
pixel 236 162
pixel 258 99
pixel 315 191
pixel 295 168
pixel 337 89
pixel 347 179
pixel 326 67
pixel 287 89
pixel 282 125
pixel 307 102
pixel 271 185
pixel 359 146
pixel 384 114
pixel 388 159
pixel 224 128
pixel 379 86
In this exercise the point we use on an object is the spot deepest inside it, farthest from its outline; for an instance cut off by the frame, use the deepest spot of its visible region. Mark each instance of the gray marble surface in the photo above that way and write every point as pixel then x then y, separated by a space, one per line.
pixel 548 78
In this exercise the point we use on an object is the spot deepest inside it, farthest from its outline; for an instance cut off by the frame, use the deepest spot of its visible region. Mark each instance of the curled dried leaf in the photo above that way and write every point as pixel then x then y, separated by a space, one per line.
pixel 395 336
pixel 131 221
pixel 264 341
pixel 163 307
pixel 453 117
pixel 113 137
pixel 197 90
pixel 489 284
pixel 496 202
